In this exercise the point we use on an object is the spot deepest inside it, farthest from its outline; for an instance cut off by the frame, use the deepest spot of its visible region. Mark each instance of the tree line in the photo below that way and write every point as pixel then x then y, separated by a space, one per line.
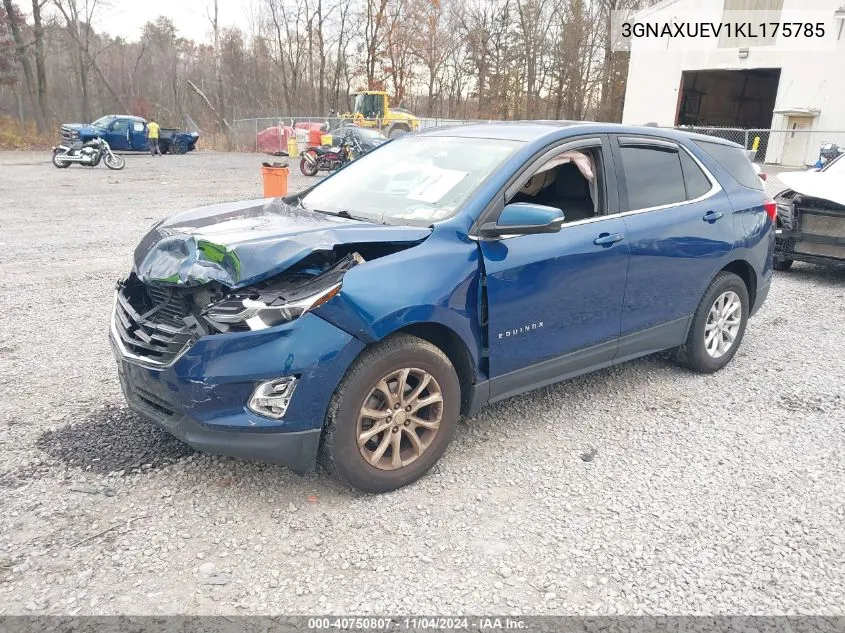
pixel 476 59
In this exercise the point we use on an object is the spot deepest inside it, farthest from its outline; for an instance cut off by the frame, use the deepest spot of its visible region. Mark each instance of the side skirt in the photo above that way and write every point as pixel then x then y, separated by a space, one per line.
pixel 656 339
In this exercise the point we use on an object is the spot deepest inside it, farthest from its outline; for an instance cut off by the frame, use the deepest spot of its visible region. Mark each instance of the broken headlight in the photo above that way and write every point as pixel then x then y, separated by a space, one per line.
pixel 259 313
pixel 283 299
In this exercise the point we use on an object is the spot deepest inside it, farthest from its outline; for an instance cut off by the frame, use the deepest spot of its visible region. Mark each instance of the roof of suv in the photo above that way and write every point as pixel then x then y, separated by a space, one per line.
pixel 534 130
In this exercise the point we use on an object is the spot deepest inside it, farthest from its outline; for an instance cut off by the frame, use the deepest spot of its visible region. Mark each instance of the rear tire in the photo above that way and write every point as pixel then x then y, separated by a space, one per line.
pixel 61 164
pixel 397 132
pixel 307 168
pixel 378 440
pixel 718 325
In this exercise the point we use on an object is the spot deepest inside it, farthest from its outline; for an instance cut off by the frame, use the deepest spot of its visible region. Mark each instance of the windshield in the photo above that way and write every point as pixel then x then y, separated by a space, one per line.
pixel 103 121
pixel 837 166
pixel 414 179
pixel 369 105
pixel 369 134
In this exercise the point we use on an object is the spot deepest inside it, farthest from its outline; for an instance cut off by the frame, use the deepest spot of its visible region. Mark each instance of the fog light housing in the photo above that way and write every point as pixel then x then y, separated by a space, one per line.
pixel 272 397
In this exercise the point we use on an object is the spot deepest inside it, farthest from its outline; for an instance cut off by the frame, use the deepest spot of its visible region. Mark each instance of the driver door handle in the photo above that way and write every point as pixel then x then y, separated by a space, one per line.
pixel 606 239
pixel 712 216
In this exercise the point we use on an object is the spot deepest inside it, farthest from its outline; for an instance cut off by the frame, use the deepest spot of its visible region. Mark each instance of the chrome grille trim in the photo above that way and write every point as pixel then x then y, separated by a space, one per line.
pixel 155 344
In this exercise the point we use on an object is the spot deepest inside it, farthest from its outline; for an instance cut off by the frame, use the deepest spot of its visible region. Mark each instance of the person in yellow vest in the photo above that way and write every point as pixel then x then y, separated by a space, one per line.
pixel 152 135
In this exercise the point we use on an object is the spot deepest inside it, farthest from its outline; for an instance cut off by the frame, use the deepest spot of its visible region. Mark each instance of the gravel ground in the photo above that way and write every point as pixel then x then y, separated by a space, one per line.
pixel 638 489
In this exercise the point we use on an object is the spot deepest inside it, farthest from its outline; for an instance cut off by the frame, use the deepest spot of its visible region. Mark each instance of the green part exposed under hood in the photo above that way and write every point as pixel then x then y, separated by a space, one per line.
pixel 242 243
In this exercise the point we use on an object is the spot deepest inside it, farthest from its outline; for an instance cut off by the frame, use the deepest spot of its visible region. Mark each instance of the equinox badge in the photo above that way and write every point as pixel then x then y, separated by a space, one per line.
pixel 522 329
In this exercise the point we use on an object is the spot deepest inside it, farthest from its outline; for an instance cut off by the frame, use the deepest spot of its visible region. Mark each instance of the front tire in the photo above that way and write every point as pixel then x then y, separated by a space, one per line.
pixel 61 164
pixel 115 162
pixel 718 325
pixel 397 132
pixel 392 416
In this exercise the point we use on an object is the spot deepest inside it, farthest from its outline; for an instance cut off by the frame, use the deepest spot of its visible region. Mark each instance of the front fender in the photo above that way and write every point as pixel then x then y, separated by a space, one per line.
pixel 435 282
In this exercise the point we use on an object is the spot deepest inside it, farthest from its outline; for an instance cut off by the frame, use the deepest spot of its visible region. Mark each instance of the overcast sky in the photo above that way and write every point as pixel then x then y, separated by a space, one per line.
pixel 126 18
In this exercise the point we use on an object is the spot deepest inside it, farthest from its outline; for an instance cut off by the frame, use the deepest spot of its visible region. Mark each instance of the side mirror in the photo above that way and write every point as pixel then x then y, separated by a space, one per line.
pixel 523 218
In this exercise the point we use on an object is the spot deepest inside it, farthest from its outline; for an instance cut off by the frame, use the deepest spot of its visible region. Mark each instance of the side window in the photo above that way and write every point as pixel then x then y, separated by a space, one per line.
pixel 653 176
pixel 137 126
pixel 572 181
pixel 121 125
pixel 696 182
pixel 734 160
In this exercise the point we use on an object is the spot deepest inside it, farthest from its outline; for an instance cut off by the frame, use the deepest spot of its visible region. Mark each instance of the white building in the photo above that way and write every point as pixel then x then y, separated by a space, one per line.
pixel 744 83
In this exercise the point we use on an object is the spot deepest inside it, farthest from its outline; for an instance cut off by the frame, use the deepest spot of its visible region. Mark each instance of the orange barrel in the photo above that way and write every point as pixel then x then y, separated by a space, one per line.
pixel 275 181
pixel 314 136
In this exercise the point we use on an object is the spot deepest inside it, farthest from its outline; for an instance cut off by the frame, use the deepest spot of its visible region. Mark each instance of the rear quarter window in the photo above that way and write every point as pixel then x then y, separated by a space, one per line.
pixel 734 161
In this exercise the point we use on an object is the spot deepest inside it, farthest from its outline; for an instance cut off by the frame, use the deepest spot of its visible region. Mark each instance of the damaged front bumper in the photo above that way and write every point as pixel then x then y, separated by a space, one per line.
pixel 809 229
pixel 203 395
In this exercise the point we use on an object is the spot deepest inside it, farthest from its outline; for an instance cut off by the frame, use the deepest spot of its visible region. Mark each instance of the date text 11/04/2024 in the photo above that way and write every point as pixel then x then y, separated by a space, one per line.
pixel 418 623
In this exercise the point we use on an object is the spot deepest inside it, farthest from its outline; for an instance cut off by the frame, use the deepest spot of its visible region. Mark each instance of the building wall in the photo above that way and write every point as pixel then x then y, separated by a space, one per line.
pixel 808 79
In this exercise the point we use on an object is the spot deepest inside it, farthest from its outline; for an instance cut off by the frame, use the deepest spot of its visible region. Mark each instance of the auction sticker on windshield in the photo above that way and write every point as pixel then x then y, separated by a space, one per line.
pixel 435 184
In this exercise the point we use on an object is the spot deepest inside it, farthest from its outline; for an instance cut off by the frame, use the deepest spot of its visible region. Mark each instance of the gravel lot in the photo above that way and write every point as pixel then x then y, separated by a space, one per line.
pixel 706 495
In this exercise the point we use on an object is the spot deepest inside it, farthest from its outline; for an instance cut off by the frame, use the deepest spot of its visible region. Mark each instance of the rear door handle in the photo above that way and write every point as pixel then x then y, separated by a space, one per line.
pixel 712 216
pixel 606 239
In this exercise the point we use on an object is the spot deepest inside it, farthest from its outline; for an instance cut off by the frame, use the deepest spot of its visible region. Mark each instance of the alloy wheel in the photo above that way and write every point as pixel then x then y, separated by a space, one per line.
pixel 723 323
pixel 399 418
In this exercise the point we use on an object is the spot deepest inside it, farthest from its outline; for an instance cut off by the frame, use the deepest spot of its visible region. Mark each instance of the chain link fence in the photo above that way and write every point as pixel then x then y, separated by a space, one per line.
pixel 272 135
pixel 787 148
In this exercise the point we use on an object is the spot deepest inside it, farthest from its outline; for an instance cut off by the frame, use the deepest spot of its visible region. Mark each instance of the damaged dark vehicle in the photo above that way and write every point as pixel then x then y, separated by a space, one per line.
pixel 353 323
pixel 811 216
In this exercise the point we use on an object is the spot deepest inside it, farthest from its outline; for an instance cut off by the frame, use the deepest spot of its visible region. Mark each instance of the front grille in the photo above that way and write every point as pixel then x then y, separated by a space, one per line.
pixel 830 225
pixel 150 322
pixel 171 306
pixel 69 136
pixel 821 250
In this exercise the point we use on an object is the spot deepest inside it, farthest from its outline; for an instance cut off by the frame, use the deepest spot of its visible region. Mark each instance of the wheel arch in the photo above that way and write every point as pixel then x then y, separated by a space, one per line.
pixel 745 271
pixel 398 125
pixel 450 343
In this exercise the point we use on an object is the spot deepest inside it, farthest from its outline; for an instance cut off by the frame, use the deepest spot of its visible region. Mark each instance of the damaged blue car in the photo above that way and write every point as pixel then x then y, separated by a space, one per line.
pixel 353 323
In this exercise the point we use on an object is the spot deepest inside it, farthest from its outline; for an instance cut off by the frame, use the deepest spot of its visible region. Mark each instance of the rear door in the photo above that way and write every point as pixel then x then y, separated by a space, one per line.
pixel 681 231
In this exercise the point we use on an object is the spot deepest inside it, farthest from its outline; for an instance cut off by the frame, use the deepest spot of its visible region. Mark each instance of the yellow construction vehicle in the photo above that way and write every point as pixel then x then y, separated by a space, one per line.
pixel 371 108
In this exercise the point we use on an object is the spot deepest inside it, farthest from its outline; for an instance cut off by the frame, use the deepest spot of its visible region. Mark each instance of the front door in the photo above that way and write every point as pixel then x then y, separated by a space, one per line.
pixel 554 300
pixel 139 136
pixel 119 135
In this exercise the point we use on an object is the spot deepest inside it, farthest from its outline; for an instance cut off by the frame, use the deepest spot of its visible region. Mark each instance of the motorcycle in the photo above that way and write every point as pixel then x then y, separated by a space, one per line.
pixel 316 159
pixel 88 154
pixel 827 153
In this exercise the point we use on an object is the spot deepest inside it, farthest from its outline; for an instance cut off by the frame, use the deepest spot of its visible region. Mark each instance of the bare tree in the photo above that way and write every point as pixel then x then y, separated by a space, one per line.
pixel 78 17
pixel 484 59
pixel 40 63
pixel 222 124
pixel 7 50
pixel 432 45
pixel 375 21
pixel 15 21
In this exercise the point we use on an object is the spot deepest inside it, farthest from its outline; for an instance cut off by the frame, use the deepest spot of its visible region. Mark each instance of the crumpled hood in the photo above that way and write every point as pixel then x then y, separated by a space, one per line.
pixel 241 243
pixel 818 184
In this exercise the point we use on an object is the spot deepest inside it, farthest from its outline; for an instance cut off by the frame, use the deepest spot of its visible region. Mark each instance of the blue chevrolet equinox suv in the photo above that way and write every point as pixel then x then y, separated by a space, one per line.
pixel 353 323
